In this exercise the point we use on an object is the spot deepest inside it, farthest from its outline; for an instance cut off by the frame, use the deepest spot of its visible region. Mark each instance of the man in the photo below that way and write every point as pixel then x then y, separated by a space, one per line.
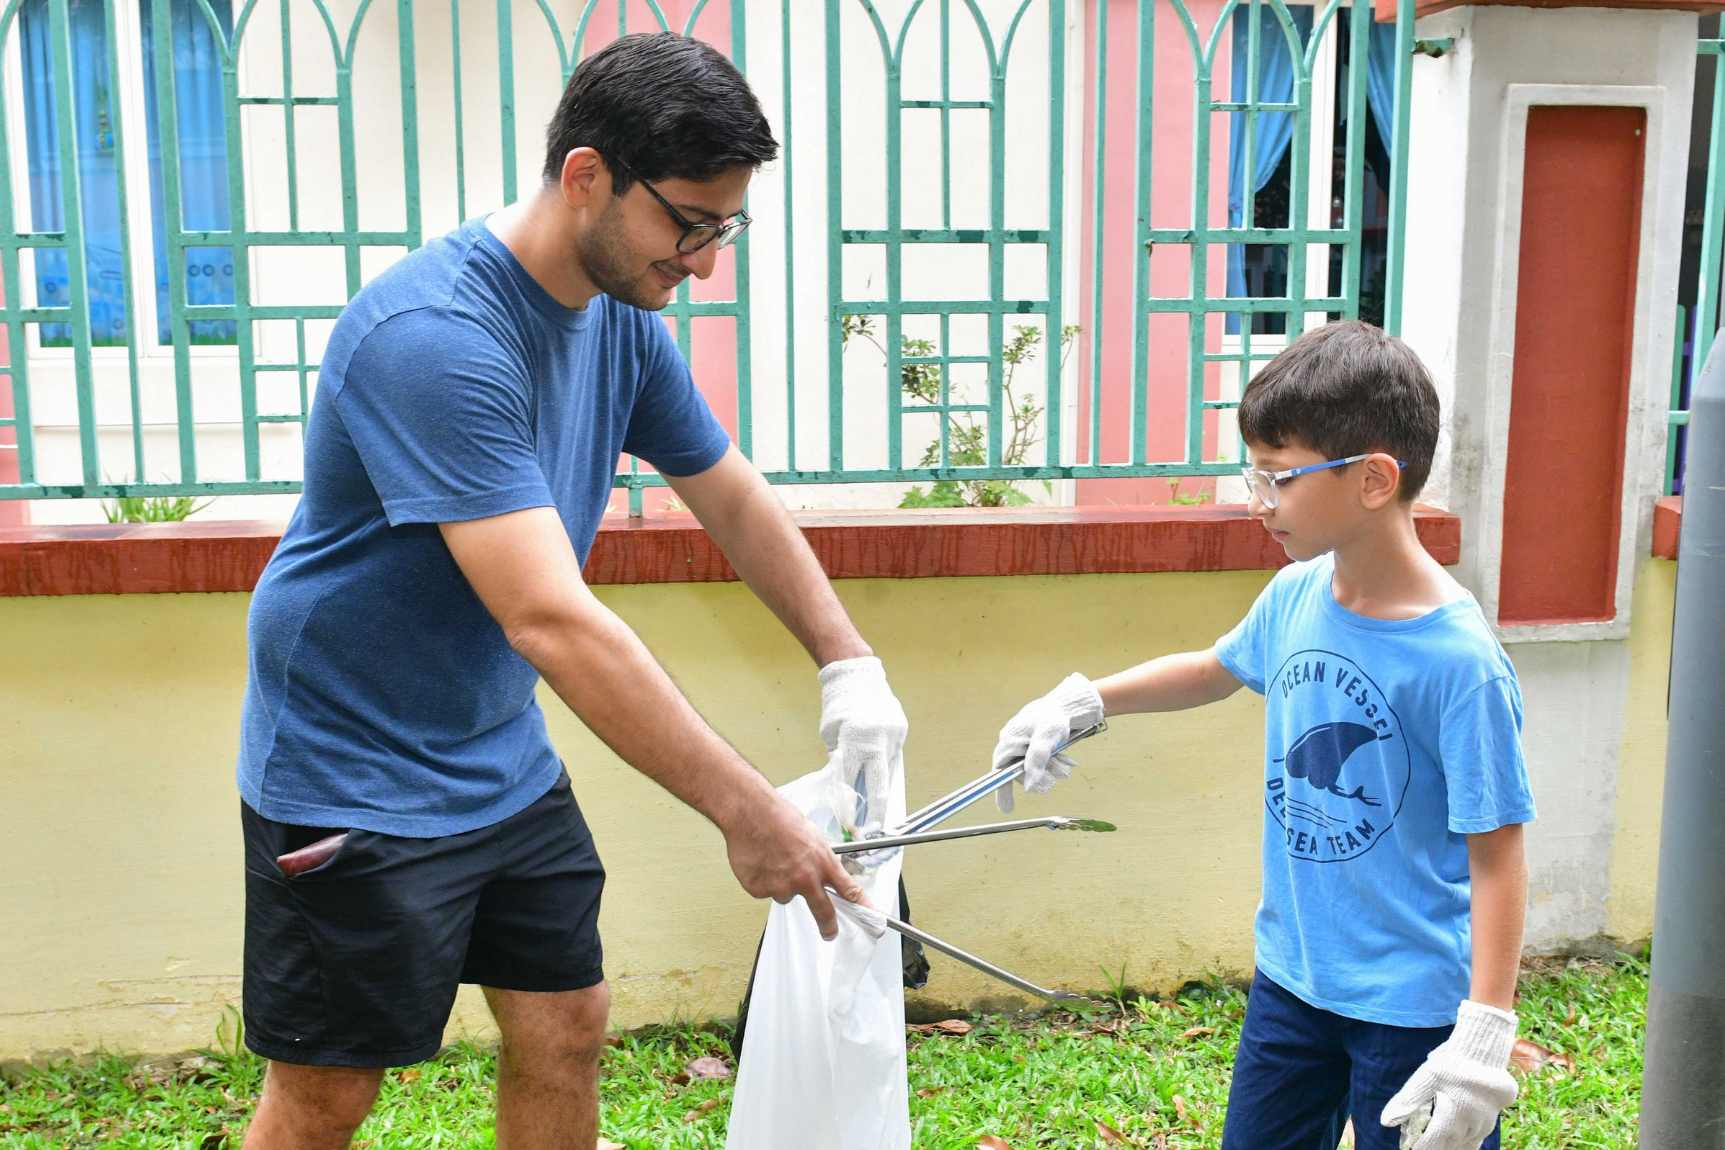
pixel 408 825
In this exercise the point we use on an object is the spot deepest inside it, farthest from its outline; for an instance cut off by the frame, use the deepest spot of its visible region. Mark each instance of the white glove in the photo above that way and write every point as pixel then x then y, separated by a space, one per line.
pixel 1462 1085
pixel 1040 727
pixel 864 728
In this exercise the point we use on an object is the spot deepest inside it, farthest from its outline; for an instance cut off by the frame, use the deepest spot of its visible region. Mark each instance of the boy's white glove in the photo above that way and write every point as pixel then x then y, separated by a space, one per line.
pixel 1040 726
pixel 864 728
pixel 1462 1086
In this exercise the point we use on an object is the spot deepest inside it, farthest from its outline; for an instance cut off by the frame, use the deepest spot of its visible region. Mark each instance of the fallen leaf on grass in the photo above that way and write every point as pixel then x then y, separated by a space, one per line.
pixel 1530 1058
pixel 948 1026
pixel 406 1076
pixel 1109 1134
pixel 1197 1031
pixel 197 1068
pixel 930 1091
pixel 1181 1115
pixel 708 1067
pixel 990 1142
pixel 706 1107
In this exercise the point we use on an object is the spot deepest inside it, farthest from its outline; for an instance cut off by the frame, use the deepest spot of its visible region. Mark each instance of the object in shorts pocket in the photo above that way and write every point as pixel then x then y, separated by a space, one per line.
pixel 315 855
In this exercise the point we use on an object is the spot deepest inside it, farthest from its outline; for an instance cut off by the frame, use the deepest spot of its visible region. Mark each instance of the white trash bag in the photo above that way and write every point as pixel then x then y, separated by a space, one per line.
pixel 823 1061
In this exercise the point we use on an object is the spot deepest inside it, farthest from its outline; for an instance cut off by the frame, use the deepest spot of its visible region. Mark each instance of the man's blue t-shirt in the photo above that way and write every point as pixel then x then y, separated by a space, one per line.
pixel 382 695
pixel 1387 742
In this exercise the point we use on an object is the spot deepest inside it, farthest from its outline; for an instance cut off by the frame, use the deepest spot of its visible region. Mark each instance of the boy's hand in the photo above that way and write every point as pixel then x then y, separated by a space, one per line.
pixel 1041 726
pixel 864 726
pixel 1463 1084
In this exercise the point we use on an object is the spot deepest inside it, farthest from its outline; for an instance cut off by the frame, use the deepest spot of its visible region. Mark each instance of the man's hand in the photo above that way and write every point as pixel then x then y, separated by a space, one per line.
pixel 524 570
pixel 1040 727
pixel 1463 1085
pixel 776 854
pixel 864 727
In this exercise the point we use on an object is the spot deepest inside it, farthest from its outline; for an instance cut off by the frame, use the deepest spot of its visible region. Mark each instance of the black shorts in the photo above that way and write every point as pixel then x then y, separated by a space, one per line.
pixel 356 961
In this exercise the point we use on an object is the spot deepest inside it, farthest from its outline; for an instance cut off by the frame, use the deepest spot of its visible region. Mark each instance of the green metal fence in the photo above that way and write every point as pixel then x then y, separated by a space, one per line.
pixel 1706 315
pixel 957 402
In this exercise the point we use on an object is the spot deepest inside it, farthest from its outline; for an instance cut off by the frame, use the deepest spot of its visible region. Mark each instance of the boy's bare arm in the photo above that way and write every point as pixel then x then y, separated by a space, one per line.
pixel 1454 1098
pixel 1497 861
pixel 1168 683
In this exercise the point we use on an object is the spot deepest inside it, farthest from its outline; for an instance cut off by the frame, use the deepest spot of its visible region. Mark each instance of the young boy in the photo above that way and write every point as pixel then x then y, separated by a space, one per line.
pixel 1389 931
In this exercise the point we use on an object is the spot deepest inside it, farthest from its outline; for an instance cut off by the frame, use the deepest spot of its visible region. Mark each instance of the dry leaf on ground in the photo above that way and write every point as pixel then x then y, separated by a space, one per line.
pixel 1530 1057
pixel 708 1067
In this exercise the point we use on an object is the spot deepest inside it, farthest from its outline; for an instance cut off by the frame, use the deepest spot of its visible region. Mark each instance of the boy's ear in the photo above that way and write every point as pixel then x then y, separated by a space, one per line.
pixel 1381 480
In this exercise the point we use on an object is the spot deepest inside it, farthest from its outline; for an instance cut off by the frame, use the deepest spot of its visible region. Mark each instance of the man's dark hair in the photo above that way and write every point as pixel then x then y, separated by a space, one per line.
pixel 667 106
pixel 1344 389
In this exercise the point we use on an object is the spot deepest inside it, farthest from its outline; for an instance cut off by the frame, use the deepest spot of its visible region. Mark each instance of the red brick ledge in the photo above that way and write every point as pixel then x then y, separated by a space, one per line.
pixel 181 557
pixel 1667 525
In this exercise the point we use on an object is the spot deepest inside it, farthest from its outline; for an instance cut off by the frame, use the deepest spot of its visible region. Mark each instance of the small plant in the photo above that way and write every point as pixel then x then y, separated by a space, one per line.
pixel 152 508
pixel 1116 987
pixel 967 441
pixel 1181 499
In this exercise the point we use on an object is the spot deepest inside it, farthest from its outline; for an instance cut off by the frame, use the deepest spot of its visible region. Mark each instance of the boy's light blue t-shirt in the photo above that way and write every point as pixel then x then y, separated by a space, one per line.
pixel 1387 742
pixel 382 694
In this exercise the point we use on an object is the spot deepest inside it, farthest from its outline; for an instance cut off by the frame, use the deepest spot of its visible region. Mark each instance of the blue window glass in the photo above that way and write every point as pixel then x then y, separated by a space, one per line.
pixel 203 163
pixel 1261 269
pixel 94 110
pixel 203 166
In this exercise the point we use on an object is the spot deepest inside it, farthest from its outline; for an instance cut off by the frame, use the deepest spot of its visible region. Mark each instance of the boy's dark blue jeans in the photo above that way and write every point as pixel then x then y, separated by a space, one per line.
pixel 1301 1073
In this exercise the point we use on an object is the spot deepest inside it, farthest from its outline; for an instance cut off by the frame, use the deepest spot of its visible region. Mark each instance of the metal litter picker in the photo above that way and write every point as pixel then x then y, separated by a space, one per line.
pixel 820 1037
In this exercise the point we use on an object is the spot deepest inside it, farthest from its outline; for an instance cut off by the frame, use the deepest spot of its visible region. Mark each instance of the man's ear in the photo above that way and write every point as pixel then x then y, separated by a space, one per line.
pixel 1381 480
pixel 585 180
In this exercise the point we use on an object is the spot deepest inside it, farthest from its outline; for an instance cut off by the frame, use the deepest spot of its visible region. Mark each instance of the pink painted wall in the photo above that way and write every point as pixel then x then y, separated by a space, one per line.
pixel 713 342
pixel 1170 199
pixel 12 511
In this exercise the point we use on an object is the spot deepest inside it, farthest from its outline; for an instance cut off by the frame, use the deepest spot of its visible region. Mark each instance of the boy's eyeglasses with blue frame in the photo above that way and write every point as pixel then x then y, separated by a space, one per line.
pixel 1264 484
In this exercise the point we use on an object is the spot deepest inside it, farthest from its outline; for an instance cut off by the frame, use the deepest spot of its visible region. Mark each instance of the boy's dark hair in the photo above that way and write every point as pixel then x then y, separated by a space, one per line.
pixel 667 106
pixel 1345 389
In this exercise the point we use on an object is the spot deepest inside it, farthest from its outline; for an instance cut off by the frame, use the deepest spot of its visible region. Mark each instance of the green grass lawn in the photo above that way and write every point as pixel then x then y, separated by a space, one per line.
pixel 1149 1074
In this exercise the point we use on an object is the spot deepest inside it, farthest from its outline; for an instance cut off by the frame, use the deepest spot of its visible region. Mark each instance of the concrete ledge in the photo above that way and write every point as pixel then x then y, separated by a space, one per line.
pixel 1667 525
pixel 229 556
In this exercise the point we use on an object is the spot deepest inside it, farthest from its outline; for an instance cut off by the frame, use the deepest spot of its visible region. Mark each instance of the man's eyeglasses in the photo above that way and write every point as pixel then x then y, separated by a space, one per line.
pixel 1264 484
pixel 695 236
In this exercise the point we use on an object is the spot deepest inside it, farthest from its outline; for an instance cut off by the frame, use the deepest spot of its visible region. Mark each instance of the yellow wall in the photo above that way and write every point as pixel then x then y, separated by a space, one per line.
pixel 1641 763
pixel 120 872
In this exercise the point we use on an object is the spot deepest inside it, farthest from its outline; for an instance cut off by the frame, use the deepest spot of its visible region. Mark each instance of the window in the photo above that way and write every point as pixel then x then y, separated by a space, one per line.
pixel 202 161
pixel 1261 270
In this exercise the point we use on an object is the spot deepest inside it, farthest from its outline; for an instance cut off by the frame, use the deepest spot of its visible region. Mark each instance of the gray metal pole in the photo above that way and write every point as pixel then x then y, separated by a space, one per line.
pixel 1683 1089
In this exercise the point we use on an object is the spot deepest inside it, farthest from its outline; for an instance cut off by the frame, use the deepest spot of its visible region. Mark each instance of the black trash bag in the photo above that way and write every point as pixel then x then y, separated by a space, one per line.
pixel 915 964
